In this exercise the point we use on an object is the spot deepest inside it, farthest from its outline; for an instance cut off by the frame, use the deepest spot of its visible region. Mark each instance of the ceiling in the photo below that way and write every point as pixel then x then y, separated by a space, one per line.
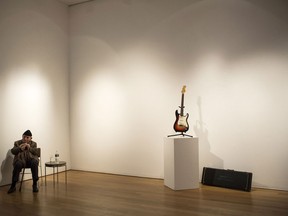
pixel 73 2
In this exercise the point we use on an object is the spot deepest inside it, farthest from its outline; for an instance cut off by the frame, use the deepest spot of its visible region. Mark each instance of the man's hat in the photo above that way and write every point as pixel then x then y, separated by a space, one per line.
pixel 27 133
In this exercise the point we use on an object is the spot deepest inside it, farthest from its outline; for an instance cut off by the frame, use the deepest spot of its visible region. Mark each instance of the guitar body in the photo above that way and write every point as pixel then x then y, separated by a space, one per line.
pixel 181 123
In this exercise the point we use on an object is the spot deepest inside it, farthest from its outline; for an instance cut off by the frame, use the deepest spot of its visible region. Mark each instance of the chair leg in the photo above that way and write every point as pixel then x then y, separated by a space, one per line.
pixel 22 177
pixel 40 166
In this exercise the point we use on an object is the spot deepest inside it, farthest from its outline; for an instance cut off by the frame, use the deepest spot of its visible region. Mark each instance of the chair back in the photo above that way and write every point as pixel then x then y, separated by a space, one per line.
pixel 38 152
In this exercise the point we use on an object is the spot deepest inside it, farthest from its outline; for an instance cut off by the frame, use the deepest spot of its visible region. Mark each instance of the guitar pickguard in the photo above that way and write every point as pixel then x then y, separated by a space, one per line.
pixel 182 121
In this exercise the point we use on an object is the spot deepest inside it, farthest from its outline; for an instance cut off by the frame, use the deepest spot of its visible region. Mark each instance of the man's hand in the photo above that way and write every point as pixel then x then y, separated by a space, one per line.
pixel 24 146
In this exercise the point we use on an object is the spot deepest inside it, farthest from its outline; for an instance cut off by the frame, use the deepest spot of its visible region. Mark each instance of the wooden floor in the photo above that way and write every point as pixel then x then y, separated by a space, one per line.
pixel 89 193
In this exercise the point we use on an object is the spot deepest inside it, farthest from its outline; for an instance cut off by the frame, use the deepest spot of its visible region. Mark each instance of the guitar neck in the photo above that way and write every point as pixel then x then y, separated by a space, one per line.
pixel 182 105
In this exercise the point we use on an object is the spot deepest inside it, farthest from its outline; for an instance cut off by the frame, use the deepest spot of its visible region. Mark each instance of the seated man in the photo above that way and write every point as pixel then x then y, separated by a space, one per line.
pixel 25 152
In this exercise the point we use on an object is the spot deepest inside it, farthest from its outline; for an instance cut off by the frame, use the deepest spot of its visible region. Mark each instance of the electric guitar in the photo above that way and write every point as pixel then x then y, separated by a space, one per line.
pixel 181 123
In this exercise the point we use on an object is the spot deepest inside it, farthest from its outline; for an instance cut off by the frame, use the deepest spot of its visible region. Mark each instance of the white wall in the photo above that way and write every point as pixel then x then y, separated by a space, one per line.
pixel 33 78
pixel 129 60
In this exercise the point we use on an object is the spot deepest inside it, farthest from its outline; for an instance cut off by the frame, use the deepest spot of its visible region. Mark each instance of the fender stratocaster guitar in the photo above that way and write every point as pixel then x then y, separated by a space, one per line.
pixel 181 123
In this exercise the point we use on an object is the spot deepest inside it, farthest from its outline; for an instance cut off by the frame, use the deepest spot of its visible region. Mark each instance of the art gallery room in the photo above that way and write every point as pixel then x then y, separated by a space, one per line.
pixel 155 107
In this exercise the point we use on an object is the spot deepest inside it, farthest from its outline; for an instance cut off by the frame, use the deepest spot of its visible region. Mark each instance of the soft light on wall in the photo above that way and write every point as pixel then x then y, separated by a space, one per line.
pixel 27 98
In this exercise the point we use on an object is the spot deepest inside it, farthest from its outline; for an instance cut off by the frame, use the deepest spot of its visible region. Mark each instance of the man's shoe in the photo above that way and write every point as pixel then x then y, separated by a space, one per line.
pixel 11 190
pixel 35 189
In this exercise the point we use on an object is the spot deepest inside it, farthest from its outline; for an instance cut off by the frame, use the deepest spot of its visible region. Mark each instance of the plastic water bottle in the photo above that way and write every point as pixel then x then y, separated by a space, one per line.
pixel 57 157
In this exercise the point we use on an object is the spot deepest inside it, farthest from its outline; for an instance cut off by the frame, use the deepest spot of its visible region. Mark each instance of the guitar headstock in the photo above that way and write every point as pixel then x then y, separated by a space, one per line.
pixel 183 89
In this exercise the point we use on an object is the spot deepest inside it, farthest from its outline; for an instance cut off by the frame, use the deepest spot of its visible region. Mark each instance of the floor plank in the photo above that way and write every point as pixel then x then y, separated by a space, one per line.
pixel 88 193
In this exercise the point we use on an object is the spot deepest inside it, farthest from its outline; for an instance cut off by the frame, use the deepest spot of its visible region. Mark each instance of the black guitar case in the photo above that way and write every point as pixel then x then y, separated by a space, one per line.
pixel 227 178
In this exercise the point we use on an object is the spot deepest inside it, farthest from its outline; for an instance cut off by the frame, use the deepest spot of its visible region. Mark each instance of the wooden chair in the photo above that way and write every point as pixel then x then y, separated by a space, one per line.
pixel 40 166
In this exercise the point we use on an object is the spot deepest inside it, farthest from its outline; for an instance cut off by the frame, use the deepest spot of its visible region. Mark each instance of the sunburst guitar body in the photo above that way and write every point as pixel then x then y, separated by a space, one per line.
pixel 181 123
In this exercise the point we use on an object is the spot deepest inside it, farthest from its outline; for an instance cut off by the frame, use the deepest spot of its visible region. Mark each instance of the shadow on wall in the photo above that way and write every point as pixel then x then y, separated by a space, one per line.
pixel 6 169
pixel 207 158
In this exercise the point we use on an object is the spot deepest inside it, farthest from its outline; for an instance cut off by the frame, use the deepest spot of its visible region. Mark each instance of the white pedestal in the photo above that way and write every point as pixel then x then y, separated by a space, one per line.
pixel 181 163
